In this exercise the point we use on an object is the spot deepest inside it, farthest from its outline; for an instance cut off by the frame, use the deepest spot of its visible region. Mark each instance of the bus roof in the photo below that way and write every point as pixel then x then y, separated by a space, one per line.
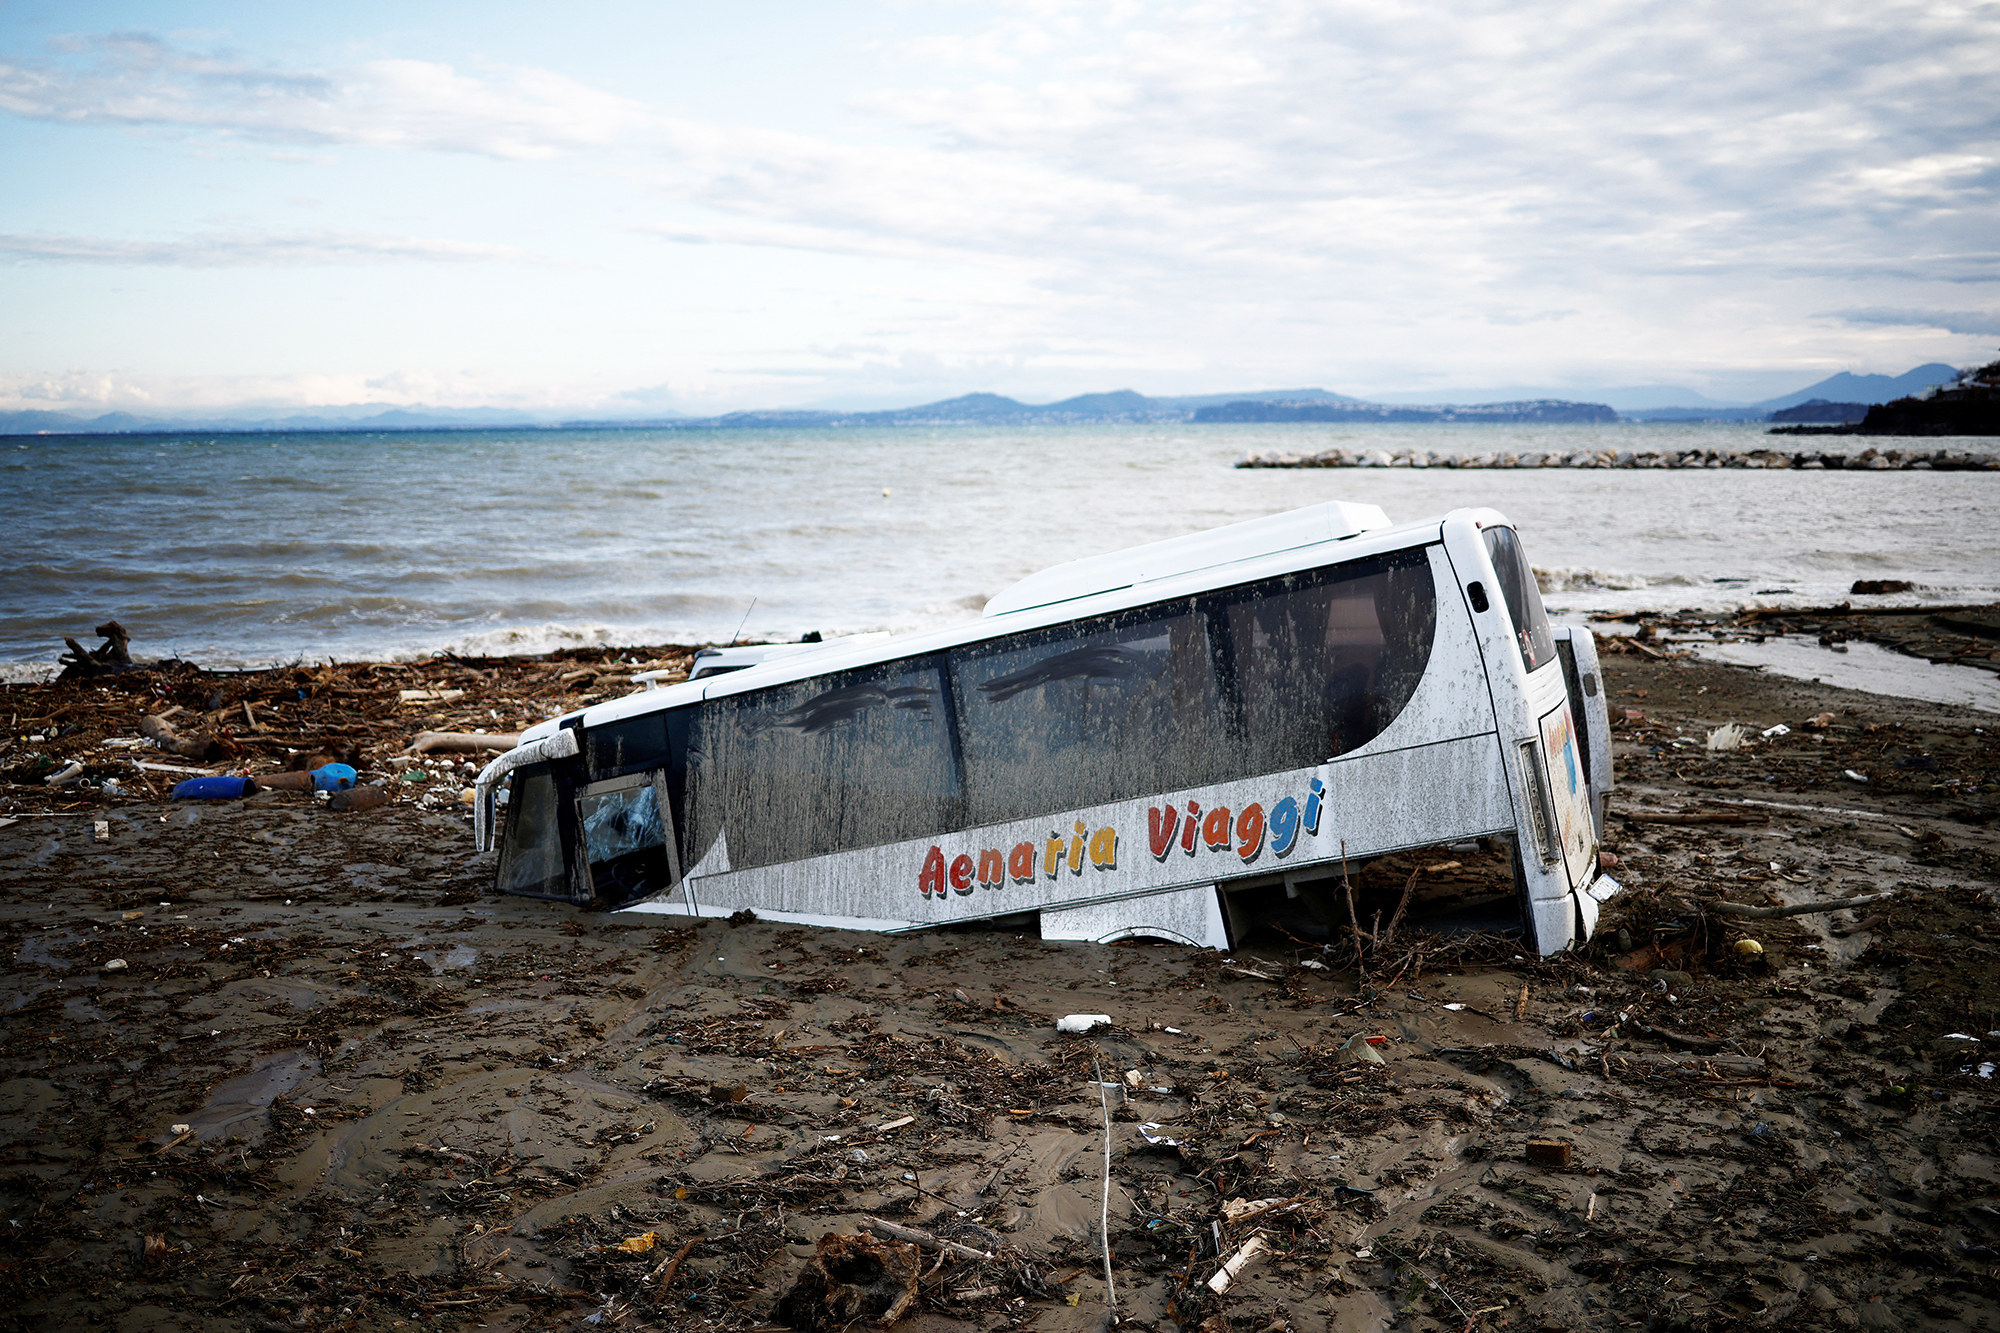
pixel 1282 552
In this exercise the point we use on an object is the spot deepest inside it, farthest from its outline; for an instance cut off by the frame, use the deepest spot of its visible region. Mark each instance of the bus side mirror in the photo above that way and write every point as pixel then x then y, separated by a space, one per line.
pixel 1477 592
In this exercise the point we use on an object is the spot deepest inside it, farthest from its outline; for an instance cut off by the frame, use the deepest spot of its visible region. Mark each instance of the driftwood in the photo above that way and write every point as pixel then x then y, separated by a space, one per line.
pixel 461 742
pixel 891 1231
pixel 169 738
pixel 1728 1064
pixel 1800 909
pixel 1683 1039
pixel 1692 817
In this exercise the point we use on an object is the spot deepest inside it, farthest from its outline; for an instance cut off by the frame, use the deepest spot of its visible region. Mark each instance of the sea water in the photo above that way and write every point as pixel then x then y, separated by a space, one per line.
pixel 258 548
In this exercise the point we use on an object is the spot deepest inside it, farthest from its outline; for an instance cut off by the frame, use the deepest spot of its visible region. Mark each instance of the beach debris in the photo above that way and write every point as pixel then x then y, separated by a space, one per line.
pixel 357 798
pixel 1728 736
pixel 1150 1132
pixel 110 656
pixel 1225 1277
pixel 327 777
pixel 1548 1152
pixel 1779 730
pixel 1818 722
pixel 429 697
pixel 226 788
pixel 1360 1050
pixel 1244 1210
pixel 156 728
pixel 1853 776
pixel 100 830
pixel 1748 948
pixel 896 1231
pixel 851 1279
pixel 638 1244
pixel 461 742
pixel 1082 1022
pixel 65 776
pixel 115 965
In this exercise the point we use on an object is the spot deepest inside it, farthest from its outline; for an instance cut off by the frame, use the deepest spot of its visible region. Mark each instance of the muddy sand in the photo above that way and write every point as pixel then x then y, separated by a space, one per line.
pixel 336 1083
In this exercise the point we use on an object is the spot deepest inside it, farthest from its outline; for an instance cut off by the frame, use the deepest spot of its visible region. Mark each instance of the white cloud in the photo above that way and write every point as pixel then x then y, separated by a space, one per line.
pixel 141 81
pixel 1984 323
pixel 1352 191
pixel 220 250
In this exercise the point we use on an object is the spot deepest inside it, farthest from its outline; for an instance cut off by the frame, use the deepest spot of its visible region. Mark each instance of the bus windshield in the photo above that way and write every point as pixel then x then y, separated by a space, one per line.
pixel 1524 600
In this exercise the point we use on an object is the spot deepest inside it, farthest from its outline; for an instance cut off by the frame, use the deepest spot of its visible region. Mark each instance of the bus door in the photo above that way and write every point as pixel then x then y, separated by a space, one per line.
pixel 625 834
pixel 1575 831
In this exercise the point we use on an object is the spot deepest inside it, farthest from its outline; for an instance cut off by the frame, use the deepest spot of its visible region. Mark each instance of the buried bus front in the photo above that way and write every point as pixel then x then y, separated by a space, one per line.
pixel 1186 757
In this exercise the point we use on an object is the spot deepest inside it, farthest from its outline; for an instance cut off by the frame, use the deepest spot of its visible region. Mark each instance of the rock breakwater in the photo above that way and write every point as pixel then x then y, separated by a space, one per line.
pixel 1877 460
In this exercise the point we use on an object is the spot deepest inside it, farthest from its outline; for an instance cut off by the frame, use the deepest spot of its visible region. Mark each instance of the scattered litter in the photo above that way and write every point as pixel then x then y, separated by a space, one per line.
pixel 1313 963
pixel 1748 948
pixel 1454 1007
pixel 895 1124
pixel 1108 1093
pixel 1242 1210
pixel 65 776
pixel 181 1127
pixel 638 1244
pixel 100 830
pixel 1780 730
pixel 357 798
pixel 228 788
pixel 1850 773
pixel 1230 1271
pixel 1985 1070
pixel 1358 1050
pixel 1150 1132
pixel 1728 736
pixel 1083 1022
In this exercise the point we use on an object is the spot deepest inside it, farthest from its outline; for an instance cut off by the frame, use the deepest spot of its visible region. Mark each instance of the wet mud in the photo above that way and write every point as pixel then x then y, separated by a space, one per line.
pixel 337 1084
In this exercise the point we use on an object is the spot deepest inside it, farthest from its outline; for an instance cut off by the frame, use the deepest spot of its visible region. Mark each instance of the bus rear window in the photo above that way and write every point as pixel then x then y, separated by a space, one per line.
pixel 1523 598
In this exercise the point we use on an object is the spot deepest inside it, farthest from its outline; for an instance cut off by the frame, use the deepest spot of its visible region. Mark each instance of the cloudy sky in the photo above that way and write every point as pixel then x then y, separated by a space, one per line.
pixel 661 207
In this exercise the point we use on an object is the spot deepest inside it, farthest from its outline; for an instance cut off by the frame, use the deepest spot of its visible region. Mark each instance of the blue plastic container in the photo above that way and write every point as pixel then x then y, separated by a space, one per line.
pixel 214 789
pixel 333 777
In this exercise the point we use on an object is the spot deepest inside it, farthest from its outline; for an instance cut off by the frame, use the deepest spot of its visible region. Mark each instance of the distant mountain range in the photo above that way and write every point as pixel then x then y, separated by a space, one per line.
pixel 1122 405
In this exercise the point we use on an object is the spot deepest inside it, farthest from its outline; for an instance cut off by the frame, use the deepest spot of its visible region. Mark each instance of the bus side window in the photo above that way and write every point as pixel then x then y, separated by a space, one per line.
pixel 1099 711
pixel 1324 664
pixel 1524 600
pixel 855 759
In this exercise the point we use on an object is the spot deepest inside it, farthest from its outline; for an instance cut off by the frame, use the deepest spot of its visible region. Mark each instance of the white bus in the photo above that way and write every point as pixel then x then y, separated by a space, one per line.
pixel 1162 741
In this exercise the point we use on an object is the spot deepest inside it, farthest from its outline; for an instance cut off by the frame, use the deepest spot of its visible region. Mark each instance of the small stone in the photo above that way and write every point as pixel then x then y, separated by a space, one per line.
pixel 116 965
